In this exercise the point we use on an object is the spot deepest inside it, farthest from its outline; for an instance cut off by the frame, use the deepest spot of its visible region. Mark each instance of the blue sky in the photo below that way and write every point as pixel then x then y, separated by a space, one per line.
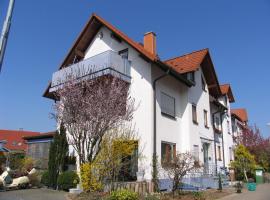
pixel 237 33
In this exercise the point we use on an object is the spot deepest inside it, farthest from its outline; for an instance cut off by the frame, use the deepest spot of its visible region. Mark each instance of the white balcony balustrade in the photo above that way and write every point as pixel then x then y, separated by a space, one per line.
pixel 106 63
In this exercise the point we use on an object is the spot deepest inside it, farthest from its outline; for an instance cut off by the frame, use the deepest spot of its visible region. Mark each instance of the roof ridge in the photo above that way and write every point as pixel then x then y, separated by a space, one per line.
pixel 24 131
pixel 186 54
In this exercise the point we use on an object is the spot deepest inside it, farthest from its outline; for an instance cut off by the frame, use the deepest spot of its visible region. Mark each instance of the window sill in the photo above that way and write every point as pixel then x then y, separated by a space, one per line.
pixel 195 122
pixel 219 160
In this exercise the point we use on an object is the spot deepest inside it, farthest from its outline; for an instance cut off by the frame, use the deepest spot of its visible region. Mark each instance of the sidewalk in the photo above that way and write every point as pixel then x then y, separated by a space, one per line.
pixel 262 193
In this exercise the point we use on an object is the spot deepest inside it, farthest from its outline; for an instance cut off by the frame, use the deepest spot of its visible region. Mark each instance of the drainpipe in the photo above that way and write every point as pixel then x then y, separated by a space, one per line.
pixel 155 120
pixel 221 116
pixel 215 150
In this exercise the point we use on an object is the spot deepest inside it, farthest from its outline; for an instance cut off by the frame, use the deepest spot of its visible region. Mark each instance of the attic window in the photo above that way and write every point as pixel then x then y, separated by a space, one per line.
pixel 203 84
pixel 191 76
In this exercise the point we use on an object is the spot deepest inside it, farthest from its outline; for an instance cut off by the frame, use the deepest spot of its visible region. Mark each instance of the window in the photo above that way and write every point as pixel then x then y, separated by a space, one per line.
pixel 226 101
pixel 196 152
pixel 203 84
pixel 126 62
pixel 168 152
pixel 217 123
pixel 167 105
pixel 219 153
pixel 194 114
pixel 205 118
pixel 230 153
pixel 191 76
pixel 228 127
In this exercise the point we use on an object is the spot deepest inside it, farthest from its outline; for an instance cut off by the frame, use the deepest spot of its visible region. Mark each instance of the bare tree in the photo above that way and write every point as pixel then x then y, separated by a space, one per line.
pixel 90 108
pixel 181 164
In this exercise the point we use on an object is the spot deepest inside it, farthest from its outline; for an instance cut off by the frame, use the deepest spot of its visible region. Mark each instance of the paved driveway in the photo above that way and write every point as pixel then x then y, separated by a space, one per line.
pixel 262 193
pixel 32 194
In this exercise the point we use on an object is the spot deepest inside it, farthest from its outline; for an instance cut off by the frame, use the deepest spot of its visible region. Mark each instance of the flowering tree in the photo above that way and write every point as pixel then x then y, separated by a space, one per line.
pixel 90 108
pixel 181 164
pixel 257 145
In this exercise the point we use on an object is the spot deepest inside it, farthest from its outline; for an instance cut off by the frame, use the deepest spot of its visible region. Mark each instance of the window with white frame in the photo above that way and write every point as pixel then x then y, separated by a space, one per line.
pixel 191 76
pixel 203 84
pixel 205 115
pixel 219 153
pixel 167 104
pixel 196 152
pixel 230 153
pixel 168 152
pixel 217 122
pixel 194 114
pixel 228 126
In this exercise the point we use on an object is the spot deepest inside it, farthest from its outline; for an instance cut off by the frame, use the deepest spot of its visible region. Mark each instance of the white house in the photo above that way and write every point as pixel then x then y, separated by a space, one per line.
pixel 179 98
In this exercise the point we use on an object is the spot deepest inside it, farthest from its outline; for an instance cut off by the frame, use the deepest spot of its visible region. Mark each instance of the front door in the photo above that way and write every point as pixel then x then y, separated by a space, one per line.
pixel 206 157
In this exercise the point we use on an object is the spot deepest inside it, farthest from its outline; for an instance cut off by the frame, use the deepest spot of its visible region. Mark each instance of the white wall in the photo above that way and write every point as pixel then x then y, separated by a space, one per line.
pixel 140 90
pixel 198 131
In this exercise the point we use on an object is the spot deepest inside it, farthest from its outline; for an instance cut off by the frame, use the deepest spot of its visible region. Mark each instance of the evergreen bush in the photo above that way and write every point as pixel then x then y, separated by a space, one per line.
pixel 67 180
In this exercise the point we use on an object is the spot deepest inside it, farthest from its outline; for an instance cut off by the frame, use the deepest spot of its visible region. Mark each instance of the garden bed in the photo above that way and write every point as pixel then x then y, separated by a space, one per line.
pixel 210 194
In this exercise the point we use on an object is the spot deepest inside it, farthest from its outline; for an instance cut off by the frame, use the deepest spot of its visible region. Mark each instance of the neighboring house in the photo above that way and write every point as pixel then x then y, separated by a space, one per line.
pixel 2 148
pixel 38 147
pixel 239 122
pixel 14 139
pixel 228 144
pixel 191 110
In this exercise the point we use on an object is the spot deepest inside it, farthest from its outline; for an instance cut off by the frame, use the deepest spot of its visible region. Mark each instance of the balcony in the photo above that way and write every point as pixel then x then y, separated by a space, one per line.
pixel 106 63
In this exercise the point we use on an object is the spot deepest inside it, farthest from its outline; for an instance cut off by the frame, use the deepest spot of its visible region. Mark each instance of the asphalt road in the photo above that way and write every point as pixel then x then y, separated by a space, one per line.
pixel 33 194
pixel 262 193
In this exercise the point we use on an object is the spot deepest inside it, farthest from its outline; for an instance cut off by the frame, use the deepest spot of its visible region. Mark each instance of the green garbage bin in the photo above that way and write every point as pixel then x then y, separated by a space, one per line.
pixel 259 175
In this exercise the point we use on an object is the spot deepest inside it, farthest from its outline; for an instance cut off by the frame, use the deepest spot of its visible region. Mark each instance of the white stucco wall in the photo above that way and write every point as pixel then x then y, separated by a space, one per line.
pixel 140 90
pixel 181 130
pixel 198 131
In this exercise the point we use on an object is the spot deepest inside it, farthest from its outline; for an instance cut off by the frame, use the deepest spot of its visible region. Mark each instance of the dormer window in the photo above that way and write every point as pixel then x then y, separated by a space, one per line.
pixel 203 84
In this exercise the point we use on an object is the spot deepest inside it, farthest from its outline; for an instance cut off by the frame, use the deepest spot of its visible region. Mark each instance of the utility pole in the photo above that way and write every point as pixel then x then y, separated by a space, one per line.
pixel 5 31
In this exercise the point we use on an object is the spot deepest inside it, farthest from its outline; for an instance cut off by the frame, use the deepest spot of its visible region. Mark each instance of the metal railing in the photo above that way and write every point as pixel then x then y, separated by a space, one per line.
pixel 108 62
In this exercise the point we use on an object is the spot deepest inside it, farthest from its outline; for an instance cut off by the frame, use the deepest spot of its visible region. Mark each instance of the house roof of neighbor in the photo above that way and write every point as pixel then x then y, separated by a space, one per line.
pixel 14 139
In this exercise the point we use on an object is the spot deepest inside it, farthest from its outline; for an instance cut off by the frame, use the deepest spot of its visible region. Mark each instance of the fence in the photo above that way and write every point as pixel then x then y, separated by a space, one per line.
pixel 141 188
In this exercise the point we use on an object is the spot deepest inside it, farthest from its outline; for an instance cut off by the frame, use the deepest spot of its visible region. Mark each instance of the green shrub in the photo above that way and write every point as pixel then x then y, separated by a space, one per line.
pixel 45 178
pixel 67 180
pixel 152 197
pixel 124 195
pixel 198 195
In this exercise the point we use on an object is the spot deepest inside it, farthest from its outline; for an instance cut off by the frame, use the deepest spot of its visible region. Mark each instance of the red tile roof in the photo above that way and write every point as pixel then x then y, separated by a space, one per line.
pixel 226 89
pixel 40 136
pixel 241 113
pixel 88 33
pixel 188 62
pixel 192 62
pixel 14 139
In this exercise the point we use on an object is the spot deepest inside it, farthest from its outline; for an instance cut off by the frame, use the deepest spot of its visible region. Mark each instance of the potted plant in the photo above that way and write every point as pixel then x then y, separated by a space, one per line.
pixel 238 187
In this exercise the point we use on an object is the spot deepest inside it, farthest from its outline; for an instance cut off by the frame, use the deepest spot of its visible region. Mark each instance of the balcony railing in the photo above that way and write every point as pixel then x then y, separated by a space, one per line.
pixel 106 63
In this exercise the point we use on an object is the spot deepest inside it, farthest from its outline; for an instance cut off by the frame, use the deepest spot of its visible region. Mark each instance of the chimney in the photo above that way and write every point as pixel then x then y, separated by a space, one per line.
pixel 149 41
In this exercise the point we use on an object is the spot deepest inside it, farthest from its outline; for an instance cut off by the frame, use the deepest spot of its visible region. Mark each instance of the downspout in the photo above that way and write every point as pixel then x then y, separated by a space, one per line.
pixel 215 151
pixel 155 124
pixel 221 117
